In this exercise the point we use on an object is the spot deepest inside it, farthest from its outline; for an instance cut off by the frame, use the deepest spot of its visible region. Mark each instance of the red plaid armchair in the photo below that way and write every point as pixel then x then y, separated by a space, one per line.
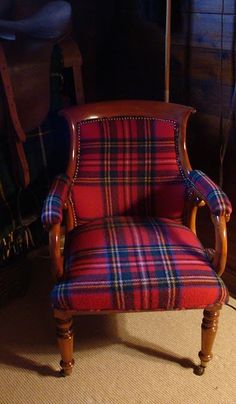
pixel 127 205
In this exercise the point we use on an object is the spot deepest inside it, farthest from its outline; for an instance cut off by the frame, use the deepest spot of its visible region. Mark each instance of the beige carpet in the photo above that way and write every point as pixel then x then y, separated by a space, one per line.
pixel 126 358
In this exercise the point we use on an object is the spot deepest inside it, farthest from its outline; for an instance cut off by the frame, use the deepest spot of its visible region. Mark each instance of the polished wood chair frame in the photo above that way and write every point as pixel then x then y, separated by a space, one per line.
pixel 60 228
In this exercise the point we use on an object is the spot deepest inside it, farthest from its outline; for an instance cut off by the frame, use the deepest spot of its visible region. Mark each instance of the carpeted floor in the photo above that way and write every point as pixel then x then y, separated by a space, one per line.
pixel 125 358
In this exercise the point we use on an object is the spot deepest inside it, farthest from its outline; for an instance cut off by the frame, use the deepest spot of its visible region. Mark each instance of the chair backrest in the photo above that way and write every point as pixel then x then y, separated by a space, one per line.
pixel 130 159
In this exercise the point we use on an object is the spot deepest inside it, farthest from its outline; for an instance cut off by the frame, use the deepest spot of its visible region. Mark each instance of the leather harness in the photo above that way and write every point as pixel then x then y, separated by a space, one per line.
pixel 15 131
pixel 40 32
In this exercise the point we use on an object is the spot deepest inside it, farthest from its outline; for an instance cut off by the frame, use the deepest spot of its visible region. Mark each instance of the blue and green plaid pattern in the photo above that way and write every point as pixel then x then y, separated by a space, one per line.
pixel 53 206
pixel 131 263
pixel 211 193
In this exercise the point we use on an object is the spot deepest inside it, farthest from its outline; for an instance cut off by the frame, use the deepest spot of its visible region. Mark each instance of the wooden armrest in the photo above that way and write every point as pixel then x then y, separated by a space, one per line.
pixel 220 255
pixel 194 204
pixel 55 234
pixel 220 251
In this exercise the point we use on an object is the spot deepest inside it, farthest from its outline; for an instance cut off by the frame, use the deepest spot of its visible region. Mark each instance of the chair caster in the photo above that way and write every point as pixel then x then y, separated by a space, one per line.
pixel 66 368
pixel 65 373
pixel 199 370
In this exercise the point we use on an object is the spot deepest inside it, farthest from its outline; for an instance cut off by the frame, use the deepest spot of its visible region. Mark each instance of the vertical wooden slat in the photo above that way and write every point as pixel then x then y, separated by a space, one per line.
pixel 167 50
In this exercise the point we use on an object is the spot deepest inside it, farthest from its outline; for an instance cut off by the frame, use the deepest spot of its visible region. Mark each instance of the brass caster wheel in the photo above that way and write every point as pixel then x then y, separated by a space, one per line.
pixel 64 373
pixel 66 368
pixel 199 370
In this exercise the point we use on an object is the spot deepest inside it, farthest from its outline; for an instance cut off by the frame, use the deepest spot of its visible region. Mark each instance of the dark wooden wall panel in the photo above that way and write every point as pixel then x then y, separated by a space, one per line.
pixel 229 32
pixel 201 63
pixel 203 74
pixel 199 30
pixel 201 6
pixel 229 6
pixel 204 30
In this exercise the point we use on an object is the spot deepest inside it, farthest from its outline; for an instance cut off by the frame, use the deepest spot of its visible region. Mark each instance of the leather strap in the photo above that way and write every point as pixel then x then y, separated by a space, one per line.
pixel 16 133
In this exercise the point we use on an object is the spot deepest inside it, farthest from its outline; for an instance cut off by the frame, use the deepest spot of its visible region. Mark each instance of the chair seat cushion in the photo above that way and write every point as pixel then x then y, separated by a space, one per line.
pixel 133 264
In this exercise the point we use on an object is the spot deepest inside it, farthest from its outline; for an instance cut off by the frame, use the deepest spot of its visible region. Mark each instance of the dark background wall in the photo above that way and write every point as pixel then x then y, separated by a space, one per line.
pixel 122 48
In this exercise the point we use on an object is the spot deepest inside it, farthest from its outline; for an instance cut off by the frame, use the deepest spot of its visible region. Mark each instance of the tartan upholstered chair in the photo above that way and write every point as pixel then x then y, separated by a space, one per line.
pixel 127 204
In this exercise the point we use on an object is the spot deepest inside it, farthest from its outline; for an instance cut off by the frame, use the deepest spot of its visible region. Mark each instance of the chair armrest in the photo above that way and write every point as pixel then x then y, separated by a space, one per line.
pixel 204 188
pixel 52 211
pixel 204 191
pixel 55 251
pixel 219 256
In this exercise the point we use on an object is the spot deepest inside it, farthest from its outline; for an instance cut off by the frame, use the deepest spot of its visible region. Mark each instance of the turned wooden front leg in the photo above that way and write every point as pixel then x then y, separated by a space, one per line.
pixel 65 342
pixel 209 330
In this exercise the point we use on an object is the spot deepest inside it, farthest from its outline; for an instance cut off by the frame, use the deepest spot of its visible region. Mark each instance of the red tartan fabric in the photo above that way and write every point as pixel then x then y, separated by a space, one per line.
pixel 132 263
pixel 53 206
pixel 128 166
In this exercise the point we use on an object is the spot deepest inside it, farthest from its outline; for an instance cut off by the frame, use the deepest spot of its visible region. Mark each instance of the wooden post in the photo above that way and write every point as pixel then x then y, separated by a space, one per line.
pixel 167 50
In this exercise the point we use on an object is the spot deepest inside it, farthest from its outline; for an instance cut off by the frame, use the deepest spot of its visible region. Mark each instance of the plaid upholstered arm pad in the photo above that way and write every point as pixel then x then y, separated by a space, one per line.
pixel 211 193
pixel 53 205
